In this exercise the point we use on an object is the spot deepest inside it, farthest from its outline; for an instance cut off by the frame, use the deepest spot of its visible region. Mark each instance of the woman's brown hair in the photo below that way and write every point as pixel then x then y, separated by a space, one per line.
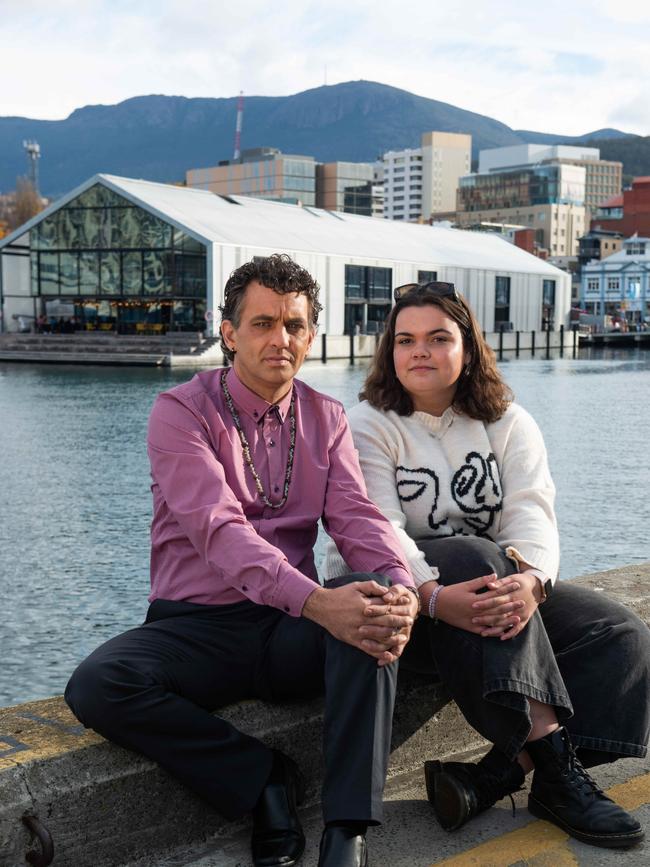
pixel 481 393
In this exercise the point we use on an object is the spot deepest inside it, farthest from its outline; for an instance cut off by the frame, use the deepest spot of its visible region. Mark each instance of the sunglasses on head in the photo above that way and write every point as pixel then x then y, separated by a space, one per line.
pixel 436 287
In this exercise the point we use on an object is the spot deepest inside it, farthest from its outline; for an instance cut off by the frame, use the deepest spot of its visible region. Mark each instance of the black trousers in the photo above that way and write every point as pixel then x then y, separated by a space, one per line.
pixel 153 690
pixel 581 652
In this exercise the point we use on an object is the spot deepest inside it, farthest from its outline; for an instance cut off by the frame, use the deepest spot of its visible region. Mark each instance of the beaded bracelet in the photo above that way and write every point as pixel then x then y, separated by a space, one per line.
pixel 432 601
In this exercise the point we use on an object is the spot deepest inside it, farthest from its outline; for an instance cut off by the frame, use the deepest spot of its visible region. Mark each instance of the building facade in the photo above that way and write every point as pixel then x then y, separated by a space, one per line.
pixel 548 198
pixel 627 214
pixel 347 187
pixel 421 181
pixel 619 285
pixel 132 256
pixel 598 245
pixel 557 226
pixel 603 178
pixel 262 172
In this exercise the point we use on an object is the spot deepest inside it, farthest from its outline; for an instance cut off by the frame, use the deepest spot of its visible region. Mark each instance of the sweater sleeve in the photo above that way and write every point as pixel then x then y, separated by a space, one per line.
pixel 528 526
pixel 376 440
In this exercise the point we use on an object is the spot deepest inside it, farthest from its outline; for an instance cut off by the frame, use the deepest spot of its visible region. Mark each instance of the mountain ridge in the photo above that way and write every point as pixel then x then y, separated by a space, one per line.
pixel 158 137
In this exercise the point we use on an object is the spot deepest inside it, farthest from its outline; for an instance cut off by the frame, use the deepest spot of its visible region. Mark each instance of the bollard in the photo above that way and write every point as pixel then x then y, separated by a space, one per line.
pixel 323 348
pixel 575 340
pixel 501 343
pixel 561 341
pixel 351 348
pixel 548 342
pixel 517 345
pixel 532 342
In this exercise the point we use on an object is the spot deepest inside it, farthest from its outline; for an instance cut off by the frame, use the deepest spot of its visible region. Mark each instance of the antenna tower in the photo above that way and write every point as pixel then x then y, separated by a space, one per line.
pixel 240 116
pixel 33 150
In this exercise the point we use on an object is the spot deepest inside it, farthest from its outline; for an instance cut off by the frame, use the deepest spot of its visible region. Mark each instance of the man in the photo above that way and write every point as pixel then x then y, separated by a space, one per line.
pixel 244 463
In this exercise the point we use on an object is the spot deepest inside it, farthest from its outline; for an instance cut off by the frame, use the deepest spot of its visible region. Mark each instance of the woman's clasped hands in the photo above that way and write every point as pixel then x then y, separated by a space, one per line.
pixel 489 606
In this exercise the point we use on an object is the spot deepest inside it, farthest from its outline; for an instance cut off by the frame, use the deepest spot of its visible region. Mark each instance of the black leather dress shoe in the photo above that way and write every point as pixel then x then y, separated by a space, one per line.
pixel 342 847
pixel 278 840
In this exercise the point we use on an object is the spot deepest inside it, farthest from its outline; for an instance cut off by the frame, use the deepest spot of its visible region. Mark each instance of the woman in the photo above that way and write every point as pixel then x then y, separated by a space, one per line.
pixel 556 677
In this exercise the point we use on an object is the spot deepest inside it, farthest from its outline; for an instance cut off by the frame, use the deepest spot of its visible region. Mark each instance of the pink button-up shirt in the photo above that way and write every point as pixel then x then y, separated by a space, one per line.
pixel 213 541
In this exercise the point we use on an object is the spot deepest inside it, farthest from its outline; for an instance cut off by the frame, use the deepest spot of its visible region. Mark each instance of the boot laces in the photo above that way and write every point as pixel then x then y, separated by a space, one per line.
pixel 578 775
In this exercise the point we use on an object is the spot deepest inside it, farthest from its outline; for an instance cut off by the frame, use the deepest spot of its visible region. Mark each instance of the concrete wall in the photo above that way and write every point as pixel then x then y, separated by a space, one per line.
pixel 105 806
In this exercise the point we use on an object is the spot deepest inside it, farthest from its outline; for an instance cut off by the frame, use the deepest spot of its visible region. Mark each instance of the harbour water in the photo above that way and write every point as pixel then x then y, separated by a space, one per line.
pixel 75 501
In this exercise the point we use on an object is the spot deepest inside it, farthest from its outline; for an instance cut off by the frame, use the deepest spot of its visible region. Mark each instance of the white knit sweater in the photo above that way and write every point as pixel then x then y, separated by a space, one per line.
pixel 453 475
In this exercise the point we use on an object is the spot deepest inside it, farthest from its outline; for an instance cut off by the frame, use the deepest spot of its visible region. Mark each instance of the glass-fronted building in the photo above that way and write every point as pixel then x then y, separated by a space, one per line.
pixel 129 256
pixel 106 264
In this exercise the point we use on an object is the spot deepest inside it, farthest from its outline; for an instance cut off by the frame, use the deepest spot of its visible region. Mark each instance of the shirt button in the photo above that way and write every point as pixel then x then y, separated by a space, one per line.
pixel 255 413
pixel 244 588
pixel 287 609
pixel 271 443
pixel 276 488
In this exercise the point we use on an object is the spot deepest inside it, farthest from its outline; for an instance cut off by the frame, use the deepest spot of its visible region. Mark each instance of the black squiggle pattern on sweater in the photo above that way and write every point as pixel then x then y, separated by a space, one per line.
pixel 475 488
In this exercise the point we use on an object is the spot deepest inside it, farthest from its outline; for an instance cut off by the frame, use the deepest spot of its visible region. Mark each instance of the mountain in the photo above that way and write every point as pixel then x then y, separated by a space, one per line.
pixel 159 137
pixel 633 152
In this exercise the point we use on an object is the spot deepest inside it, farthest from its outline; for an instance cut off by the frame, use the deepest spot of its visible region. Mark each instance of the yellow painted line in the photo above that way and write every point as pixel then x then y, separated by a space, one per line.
pixel 540 843
pixel 633 794
pixel 40 730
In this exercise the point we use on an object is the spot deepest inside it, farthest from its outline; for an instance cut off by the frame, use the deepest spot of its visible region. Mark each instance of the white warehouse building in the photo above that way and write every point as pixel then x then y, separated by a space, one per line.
pixel 129 255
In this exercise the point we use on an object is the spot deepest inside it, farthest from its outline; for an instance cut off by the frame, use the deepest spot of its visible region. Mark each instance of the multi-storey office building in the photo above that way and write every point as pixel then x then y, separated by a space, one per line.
pixel 420 181
pixel 620 283
pixel 403 185
pixel 262 172
pixel 548 198
pixel 603 178
pixel 346 187
pixel 119 253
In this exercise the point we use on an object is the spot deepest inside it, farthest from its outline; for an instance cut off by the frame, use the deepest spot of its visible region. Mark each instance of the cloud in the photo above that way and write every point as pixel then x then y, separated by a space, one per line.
pixel 503 59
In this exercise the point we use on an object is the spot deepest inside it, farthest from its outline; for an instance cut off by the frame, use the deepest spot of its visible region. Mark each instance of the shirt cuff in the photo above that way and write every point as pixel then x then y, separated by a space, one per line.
pixel 293 590
pixel 400 576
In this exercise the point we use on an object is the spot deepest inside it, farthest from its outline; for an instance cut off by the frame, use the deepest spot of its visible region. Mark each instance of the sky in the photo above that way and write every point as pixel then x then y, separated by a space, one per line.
pixel 567 67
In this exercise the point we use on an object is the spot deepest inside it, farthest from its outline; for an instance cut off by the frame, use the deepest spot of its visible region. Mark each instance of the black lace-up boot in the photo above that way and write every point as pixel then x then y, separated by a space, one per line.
pixel 562 792
pixel 460 790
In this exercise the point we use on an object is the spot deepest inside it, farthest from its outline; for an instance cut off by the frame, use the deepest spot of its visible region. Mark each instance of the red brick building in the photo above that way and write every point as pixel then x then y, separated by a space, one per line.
pixel 627 214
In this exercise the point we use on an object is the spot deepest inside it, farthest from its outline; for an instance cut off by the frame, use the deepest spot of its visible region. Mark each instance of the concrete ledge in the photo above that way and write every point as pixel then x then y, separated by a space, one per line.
pixel 104 805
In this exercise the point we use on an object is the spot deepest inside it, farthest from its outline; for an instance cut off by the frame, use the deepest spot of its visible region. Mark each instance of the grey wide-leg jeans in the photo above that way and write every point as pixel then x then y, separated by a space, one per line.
pixel 581 652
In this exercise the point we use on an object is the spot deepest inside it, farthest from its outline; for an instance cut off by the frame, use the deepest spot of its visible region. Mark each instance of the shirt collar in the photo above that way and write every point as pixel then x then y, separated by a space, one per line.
pixel 252 404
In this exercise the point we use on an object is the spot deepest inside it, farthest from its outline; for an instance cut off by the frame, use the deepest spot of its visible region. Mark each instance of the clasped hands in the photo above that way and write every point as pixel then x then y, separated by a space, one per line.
pixel 373 618
pixel 502 610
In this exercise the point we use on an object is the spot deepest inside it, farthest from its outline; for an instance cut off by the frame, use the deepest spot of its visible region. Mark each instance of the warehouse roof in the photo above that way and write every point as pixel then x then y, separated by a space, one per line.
pixel 277 226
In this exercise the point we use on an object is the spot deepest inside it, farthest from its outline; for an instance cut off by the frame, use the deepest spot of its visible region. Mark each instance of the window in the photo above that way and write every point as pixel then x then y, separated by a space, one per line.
pixel 501 301
pixel 548 293
pixel 548 304
pixel 100 245
pixel 427 276
pixel 368 298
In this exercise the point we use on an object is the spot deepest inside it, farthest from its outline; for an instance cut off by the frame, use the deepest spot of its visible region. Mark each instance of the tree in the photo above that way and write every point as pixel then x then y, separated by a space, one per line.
pixel 27 203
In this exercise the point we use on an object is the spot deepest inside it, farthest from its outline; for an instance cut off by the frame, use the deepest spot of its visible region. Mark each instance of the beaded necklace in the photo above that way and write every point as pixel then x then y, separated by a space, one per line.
pixel 247 451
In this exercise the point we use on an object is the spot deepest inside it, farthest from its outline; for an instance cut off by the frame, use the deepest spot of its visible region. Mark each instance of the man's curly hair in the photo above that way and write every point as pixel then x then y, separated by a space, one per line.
pixel 280 273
